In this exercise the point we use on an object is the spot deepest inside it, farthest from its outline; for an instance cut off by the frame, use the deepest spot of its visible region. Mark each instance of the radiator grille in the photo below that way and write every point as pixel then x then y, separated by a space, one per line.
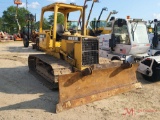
pixel 90 51
pixel 90 45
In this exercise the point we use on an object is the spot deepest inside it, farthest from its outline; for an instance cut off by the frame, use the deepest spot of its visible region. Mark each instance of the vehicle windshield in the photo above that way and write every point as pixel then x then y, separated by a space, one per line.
pixel 140 32
pixel 109 24
pixel 102 24
pixel 121 33
pixel 98 24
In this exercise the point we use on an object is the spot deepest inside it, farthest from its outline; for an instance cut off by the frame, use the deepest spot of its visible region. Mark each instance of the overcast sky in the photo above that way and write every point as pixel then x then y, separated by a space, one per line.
pixel 145 9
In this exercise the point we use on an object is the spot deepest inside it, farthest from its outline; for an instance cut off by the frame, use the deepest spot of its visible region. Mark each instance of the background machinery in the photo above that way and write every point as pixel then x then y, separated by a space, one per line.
pixel 95 24
pixel 85 2
pixel 72 62
pixel 99 26
pixel 28 32
pixel 155 40
pixel 149 67
pixel 17 36
pixel 128 41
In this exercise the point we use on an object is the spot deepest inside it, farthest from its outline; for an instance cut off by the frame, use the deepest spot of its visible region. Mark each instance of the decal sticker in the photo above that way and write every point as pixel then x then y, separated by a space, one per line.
pixel 123 51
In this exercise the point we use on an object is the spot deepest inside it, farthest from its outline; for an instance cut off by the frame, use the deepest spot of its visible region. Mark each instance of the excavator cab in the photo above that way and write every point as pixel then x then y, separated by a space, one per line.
pixel 96 27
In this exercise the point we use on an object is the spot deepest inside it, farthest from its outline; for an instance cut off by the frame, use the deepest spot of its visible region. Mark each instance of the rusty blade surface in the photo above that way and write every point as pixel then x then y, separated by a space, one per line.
pixel 75 90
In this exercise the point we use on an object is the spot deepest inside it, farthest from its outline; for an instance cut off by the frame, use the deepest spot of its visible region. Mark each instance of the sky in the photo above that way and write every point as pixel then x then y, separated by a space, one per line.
pixel 144 9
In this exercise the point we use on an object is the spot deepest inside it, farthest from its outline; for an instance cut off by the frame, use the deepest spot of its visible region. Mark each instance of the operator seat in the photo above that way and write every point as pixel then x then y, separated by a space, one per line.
pixel 59 32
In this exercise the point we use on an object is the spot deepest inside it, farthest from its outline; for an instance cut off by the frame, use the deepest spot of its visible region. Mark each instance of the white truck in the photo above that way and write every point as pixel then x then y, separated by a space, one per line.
pixel 128 41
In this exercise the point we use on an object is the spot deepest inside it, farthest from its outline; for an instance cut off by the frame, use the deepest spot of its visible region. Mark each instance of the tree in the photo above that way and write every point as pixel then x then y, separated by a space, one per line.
pixel 8 19
pixel 60 18
pixel 0 23
pixel 36 25
pixel 46 24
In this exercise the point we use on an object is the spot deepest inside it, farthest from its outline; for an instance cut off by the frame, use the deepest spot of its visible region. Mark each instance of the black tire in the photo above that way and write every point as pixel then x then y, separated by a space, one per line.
pixel 155 76
pixel 25 41
pixel 150 78
pixel 157 53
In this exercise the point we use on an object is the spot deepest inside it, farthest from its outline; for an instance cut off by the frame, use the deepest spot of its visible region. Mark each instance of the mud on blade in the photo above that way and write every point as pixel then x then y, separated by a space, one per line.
pixel 76 90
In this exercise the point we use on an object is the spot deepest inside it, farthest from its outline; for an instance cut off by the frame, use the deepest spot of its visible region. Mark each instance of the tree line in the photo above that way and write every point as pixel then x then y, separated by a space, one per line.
pixel 8 21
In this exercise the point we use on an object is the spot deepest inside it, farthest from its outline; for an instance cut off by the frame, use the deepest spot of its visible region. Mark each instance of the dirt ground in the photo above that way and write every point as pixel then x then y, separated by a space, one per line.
pixel 24 97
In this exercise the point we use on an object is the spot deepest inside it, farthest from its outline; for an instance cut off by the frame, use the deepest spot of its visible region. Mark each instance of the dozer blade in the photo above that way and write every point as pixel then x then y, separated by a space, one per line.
pixel 76 90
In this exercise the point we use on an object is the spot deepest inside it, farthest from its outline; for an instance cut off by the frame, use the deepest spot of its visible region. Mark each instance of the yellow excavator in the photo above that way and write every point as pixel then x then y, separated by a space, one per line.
pixel 72 62
pixel 99 26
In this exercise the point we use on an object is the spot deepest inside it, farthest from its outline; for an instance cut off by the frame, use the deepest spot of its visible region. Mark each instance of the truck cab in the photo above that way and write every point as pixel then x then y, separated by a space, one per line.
pixel 127 41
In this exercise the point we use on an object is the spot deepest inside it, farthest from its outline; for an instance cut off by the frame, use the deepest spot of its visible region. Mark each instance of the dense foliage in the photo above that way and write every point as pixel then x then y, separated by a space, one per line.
pixel 8 21
pixel 9 24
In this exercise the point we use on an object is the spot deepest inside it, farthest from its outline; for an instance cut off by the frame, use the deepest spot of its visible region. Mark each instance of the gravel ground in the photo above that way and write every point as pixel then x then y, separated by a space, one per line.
pixel 24 97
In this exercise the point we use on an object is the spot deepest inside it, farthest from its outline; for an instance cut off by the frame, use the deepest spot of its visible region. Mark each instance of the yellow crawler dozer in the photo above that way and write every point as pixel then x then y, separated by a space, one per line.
pixel 72 62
